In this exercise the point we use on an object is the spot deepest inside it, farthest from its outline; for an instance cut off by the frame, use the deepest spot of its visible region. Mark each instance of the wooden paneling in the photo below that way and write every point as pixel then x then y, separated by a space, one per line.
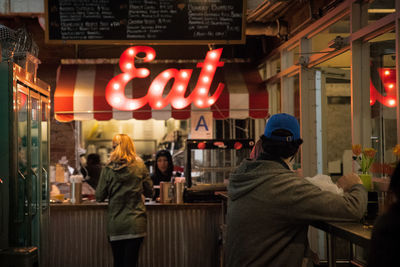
pixel 178 235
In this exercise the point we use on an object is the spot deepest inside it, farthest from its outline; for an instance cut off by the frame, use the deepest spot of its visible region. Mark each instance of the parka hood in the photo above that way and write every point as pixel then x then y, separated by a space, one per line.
pixel 121 167
pixel 250 174
pixel 117 165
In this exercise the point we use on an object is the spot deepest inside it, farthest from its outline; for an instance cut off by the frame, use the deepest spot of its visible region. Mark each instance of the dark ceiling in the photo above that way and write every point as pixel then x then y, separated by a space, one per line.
pixel 254 48
pixel 291 13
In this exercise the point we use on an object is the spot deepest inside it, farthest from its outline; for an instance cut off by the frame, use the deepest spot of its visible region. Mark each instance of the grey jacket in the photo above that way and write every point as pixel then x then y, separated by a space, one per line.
pixel 124 185
pixel 270 208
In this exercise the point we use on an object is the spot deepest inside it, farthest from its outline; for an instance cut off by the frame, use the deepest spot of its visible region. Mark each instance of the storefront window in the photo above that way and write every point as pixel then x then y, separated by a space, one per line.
pixel 296 55
pixel 336 98
pixel 332 36
pixel 235 129
pixel 273 66
pixel 262 69
pixel 296 105
pixel 296 98
pixel 383 100
pixel 379 8
pixel 274 99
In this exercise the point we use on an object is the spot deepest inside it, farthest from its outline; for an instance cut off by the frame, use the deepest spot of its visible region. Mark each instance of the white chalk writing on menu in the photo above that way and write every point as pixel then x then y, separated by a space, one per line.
pixel 145 19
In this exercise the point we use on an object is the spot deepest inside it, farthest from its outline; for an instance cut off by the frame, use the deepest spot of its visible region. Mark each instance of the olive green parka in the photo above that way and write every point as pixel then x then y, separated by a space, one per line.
pixel 124 185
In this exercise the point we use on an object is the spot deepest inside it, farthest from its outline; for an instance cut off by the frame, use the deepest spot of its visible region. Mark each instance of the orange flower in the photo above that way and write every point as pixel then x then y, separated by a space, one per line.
pixel 369 152
pixel 396 150
pixel 366 159
pixel 356 149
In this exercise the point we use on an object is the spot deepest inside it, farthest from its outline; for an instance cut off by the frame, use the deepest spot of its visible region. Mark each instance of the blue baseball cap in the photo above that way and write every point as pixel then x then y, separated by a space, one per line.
pixel 282 121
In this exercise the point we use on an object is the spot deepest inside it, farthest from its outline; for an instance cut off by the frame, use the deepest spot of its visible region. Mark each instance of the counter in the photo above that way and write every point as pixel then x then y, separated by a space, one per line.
pixel 354 232
pixel 178 235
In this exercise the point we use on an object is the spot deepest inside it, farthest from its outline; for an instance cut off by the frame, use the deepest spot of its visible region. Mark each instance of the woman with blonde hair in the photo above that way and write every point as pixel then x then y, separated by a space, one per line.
pixel 123 181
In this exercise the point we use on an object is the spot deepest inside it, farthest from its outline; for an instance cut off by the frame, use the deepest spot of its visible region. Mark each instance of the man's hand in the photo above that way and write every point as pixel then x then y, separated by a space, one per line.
pixel 348 180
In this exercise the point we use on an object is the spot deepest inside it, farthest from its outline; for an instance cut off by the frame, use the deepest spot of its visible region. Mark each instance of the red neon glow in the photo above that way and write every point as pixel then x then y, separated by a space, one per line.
pixel 388 77
pixel 201 145
pixel 392 103
pixel 115 90
pixel 238 145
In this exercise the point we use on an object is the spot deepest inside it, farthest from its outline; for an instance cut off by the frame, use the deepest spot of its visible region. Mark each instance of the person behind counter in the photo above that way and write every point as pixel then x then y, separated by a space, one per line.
pixel 270 207
pixel 163 168
pixel 91 171
pixel 385 238
pixel 123 181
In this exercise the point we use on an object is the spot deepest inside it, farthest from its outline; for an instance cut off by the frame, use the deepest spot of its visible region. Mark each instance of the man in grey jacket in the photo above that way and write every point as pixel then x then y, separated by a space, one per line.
pixel 270 206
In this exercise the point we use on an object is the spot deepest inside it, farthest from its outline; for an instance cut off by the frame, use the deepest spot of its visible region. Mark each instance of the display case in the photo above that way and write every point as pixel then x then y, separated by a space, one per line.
pixel 24 183
pixel 210 162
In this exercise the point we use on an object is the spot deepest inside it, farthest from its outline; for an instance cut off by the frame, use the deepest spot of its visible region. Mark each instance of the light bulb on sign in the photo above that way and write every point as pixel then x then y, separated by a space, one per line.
pixel 150 57
pixel 157 88
pixel 392 102
pixel 178 104
pixel 132 106
pixel 145 72
pixel 387 72
pixel 155 97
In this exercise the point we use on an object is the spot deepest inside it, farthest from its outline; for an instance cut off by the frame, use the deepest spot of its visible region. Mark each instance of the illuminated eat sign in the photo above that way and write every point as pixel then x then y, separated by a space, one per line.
pixel 115 90
pixel 388 78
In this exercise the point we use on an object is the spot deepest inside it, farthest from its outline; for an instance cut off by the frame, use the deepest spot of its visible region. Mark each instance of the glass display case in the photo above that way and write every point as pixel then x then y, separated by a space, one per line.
pixel 24 183
pixel 210 162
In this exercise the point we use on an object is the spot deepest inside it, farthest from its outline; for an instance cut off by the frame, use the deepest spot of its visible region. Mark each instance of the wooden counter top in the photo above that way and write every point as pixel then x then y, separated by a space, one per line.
pixel 354 232
pixel 151 205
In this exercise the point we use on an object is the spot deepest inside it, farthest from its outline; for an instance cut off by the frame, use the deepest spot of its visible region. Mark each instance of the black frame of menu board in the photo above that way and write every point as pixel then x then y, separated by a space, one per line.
pixel 145 21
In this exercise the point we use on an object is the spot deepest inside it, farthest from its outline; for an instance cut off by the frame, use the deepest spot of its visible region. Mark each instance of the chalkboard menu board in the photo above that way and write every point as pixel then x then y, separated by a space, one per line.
pixel 145 21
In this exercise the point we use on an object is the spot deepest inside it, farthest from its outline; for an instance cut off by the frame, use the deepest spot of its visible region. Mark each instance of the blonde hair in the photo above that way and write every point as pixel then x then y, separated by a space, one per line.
pixel 124 149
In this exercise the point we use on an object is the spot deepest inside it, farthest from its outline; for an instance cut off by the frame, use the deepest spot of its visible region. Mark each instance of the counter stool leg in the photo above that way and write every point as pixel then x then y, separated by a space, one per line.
pixel 330 240
pixel 352 250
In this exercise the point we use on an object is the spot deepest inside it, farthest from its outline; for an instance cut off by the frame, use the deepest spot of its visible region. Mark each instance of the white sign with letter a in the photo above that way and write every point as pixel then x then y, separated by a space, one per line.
pixel 201 125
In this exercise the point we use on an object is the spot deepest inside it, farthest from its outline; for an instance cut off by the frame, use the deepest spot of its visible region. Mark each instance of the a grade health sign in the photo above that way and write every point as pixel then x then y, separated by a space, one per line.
pixel 201 125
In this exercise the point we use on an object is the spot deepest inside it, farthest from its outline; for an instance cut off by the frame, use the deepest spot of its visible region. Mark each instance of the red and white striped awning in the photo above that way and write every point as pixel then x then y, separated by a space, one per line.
pixel 80 93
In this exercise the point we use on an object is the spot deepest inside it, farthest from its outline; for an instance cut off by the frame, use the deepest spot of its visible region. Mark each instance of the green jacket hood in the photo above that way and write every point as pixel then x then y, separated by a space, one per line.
pixel 250 174
pixel 122 167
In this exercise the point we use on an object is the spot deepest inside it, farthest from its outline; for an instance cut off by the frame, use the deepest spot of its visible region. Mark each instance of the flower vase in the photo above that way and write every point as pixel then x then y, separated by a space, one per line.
pixel 366 180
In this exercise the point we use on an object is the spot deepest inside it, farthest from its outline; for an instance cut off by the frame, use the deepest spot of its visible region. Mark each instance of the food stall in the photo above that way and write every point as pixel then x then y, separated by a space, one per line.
pixel 188 228
pixel 148 98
